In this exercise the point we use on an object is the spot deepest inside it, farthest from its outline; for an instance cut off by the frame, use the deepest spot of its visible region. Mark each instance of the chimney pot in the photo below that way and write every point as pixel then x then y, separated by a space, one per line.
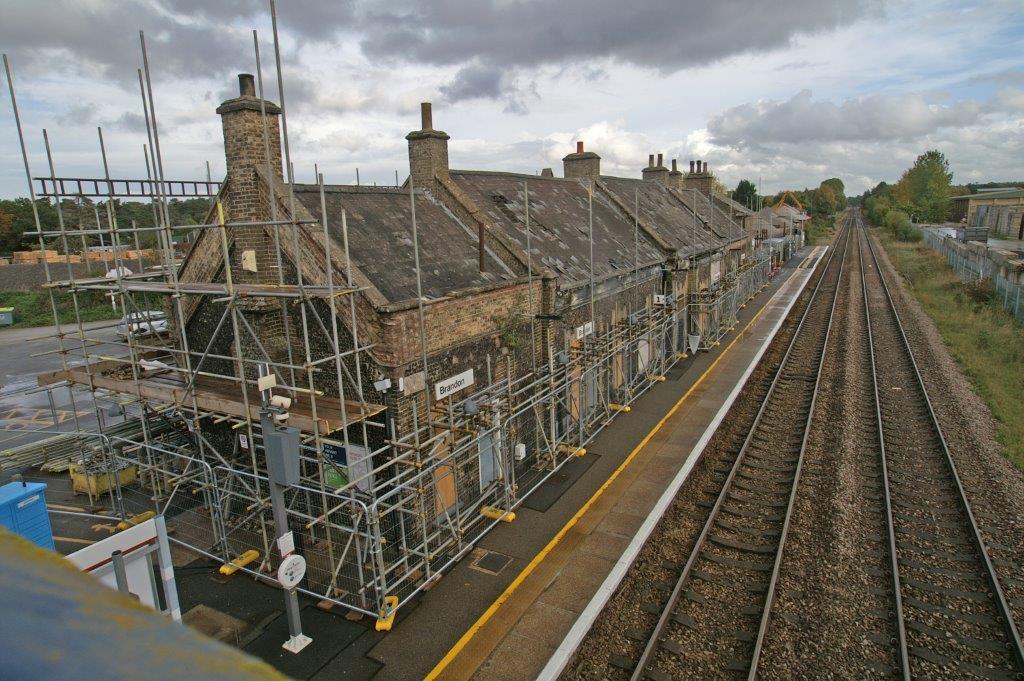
pixel 579 147
pixel 650 160
pixel 706 167
pixel 699 164
pixel 692 164
pixel 426 116
pixel 246 85
pixel 674 168
pixel 660 160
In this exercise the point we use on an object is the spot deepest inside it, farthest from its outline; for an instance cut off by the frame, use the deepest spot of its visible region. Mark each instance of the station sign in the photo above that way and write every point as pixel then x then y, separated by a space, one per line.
pixel 450 386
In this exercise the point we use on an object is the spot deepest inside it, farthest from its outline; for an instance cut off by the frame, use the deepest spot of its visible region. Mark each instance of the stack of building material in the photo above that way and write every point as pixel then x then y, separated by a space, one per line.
pixel 55 453
pixel 34 256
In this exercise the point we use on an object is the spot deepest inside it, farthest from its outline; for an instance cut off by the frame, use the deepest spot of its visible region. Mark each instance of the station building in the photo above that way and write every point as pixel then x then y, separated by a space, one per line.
pixel 444 346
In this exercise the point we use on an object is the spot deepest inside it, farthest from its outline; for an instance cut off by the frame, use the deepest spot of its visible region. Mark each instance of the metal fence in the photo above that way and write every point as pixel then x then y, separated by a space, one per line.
pixel 967 269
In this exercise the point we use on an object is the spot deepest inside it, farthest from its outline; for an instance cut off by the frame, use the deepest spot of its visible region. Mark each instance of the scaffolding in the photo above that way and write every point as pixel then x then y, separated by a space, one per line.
pixel 713 309
pixel 383 507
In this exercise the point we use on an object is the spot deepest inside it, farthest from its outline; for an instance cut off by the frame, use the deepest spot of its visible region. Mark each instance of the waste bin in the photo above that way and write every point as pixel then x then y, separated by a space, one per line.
pixel 6 316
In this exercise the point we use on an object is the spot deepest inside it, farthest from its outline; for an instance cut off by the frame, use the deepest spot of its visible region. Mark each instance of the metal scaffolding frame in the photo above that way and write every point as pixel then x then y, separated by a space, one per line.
pixel 383 508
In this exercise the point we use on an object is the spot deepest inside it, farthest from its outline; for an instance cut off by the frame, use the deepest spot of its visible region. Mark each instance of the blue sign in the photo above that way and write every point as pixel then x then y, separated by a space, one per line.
pixel 336 454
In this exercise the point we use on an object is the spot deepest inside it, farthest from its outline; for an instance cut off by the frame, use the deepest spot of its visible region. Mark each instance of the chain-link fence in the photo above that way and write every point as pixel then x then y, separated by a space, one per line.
pixel 974 266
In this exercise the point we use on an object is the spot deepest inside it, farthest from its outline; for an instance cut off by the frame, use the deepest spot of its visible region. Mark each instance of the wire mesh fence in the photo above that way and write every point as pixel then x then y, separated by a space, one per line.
pixel 975 267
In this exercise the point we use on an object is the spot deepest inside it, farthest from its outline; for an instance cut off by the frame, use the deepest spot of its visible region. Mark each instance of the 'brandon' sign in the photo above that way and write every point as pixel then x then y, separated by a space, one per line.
pixel 450 386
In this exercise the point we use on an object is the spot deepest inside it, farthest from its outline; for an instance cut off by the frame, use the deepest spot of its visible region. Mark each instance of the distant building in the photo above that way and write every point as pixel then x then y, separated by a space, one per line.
pixel 965 206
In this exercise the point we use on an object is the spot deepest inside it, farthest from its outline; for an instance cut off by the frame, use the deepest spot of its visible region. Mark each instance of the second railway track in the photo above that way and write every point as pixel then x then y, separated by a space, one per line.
pixel 951 613
pixel 913 592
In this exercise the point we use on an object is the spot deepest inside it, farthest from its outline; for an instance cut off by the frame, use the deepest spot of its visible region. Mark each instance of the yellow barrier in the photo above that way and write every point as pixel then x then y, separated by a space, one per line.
pixel 240 562
pixel 135 520
pixel 387 614
pixel 495 513
pixel 573 449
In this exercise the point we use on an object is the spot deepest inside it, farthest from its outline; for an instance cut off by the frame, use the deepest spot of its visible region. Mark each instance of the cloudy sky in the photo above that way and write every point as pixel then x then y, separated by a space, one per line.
pixel 790 92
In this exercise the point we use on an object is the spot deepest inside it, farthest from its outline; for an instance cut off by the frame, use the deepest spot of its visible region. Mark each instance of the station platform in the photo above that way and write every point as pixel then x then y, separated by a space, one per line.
pixel 506 610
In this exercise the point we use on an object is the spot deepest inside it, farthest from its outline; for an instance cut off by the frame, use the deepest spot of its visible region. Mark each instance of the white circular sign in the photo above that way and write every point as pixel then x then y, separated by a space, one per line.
pixel 291 571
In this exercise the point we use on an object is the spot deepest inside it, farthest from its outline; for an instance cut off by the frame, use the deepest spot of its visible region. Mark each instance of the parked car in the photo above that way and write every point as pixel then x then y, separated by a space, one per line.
pixel 139 324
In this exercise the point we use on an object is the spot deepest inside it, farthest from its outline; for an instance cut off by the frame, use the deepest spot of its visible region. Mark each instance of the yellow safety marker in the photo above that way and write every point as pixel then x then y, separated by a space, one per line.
pixel 682 355
pixel 136 520
pixel 495 513
pixel 387 614
pixel 624 408
pixel 238 563
pixel 573 449
pixel 657 379
pixel 475 628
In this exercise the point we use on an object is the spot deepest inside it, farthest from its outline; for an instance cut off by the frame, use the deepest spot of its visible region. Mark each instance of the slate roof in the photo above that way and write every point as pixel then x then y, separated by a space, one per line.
pixel 787 211
pixel 666 212
pixel 735 206
pixel 721 223
pixel 381 246
pixel 559 223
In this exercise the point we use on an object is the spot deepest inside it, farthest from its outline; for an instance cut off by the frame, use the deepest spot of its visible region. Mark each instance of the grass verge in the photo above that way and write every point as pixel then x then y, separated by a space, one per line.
pixel 987 342
pixel 32 308
pixel 820 230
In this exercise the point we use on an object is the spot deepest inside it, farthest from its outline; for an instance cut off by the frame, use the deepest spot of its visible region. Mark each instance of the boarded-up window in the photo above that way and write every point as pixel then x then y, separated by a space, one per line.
pixel 490 464
pixel 444 490
pixel 643 355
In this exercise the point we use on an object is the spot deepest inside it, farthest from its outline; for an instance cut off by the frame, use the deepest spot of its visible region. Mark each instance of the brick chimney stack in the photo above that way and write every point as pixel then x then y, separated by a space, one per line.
pixel 656 172
pixel 244 150
pixel 585 165
pixel 428 151
pixel 700 179
pixel 675 177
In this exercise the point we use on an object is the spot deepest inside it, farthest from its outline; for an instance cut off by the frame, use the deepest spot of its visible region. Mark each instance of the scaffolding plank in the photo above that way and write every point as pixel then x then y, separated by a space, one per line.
pixel 218 395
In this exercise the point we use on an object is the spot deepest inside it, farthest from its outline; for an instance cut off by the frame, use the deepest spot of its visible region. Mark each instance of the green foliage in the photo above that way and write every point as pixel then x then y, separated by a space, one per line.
pixel 510 325
pixel 16 219
pixel 828 199
pixel 32 308
pixel 926 187
pixel 746 194
pixel 820 229
pixel 901 227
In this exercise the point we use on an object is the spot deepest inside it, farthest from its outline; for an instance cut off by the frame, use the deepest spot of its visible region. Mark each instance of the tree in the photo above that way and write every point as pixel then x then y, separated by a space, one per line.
pixel 925 187
pixel 838 189
pixel 745 193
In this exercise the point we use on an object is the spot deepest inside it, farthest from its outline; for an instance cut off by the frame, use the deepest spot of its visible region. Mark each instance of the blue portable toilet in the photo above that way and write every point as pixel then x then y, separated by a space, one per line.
pixel 23 511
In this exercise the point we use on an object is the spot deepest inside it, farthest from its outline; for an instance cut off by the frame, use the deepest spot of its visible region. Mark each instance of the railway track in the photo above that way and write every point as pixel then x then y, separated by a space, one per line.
pixel 716 614
pixel 950 611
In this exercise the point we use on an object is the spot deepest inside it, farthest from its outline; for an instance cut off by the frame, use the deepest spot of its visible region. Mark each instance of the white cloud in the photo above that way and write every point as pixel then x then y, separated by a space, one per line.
pixel 720 81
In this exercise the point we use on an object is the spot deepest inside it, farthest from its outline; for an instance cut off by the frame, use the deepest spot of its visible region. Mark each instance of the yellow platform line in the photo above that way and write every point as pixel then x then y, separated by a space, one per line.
pixel 539 558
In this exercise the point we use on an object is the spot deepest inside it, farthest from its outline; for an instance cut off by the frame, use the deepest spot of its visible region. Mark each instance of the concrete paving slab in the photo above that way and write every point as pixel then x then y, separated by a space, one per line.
pixel 504 665
pixel 572 587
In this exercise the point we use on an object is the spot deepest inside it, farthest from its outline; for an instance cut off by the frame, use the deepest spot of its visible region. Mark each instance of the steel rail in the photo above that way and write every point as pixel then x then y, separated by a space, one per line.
pixel 666 613
pixel 894 567
pixel 762 629
pixel 1006 614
